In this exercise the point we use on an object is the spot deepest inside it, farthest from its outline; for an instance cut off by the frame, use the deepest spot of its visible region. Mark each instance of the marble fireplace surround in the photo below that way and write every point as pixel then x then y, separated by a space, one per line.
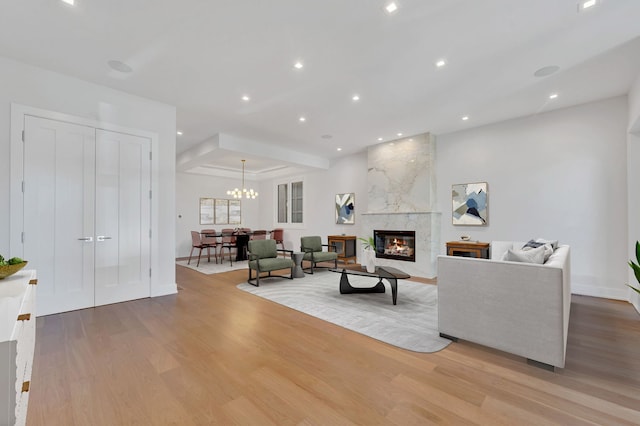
pixel 401 195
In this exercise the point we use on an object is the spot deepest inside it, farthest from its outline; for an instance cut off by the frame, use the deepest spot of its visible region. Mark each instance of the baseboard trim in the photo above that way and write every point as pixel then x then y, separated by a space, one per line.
pixel 602 292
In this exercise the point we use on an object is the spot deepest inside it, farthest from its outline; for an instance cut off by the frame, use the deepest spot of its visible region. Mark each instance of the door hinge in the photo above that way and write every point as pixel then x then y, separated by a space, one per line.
pixel 23 136
pixel 149 233
pixel 149 272
pixel 23 187
pixel 150 155
pixel 150 194
pixel 22 237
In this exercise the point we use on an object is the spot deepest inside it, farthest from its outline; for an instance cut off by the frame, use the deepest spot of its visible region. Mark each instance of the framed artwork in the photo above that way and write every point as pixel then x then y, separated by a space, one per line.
pixel 345 205
pixel 469 204
pixel 206 211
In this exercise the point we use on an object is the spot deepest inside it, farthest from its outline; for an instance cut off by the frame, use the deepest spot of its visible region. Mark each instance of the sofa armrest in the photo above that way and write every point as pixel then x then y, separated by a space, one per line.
pixel 519 308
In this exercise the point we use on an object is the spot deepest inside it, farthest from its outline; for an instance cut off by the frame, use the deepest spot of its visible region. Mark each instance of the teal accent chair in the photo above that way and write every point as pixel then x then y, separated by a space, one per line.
pixel 312 249
pixel 263 258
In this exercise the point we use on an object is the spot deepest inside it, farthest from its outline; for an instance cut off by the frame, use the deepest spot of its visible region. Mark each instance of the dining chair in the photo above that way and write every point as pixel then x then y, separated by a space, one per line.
pixel 259 234
pixel 278 235
pixel 208 237
pixel 228 241
pixel 196 243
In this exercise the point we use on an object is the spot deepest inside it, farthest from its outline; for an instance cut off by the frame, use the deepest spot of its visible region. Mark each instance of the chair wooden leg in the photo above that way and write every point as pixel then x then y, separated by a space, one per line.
pixel 189 262
pixel 199 254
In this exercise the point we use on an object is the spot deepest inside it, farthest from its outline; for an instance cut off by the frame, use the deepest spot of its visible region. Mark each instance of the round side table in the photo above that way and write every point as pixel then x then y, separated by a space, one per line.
pixel 297 271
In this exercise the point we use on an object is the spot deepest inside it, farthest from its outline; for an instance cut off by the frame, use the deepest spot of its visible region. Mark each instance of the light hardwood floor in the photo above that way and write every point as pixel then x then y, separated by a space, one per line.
pixel 216 355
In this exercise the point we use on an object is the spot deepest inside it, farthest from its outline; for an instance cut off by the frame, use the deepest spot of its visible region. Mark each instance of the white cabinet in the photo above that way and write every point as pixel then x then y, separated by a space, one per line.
pixel 17 344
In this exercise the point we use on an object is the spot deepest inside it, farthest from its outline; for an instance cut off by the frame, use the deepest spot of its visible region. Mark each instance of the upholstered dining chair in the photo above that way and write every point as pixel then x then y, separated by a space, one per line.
pixel 259 234
pixel 197 243
pixel 208 237
pixel 311 246
pixel 228 241
pixel 278 236
pixel 263 257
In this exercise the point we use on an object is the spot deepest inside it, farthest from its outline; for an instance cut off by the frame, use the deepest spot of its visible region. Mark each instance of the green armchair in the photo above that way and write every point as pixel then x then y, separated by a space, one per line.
pixel 263 257
pixel 312 248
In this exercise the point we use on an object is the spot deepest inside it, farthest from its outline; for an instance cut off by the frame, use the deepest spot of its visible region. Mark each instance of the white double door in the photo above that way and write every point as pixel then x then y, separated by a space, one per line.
pixel 86 214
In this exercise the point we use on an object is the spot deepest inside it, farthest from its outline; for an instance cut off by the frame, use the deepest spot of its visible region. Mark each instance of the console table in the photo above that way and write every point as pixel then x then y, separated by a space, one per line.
pixel 345 247
pixel 17 344
pixel 468 249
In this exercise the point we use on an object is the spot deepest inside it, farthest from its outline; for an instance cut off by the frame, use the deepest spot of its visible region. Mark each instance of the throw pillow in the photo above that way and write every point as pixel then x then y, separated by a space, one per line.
pixel 553 243
pixel 535 255
pixel 531 244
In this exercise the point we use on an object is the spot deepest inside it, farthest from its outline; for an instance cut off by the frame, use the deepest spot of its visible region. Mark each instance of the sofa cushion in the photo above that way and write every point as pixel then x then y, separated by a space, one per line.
pixel 271 264
pixel 548 248
pixel 535 255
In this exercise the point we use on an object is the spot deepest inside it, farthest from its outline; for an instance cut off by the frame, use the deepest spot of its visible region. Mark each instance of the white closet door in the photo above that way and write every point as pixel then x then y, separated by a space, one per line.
pixel 59 184
pixel 123 209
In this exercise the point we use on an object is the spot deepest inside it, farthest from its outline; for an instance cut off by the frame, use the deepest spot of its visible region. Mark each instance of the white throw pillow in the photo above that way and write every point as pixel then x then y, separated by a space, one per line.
pixel 552 243
pixel 526 256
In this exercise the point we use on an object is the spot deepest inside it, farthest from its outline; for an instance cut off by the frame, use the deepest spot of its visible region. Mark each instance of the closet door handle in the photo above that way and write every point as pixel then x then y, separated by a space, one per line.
pixel 102 238
pixel 87 239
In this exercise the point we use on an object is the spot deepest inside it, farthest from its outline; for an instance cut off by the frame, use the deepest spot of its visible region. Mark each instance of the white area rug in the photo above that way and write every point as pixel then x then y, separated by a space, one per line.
pixel 212 268
pixel 411 324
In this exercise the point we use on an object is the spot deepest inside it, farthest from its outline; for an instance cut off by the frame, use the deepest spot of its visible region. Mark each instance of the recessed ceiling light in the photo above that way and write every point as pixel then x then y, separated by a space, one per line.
pixel 465 118
pixel 391 7
pixel 441 63
pixel 553 96
pixel 339 149
pixel 399 134
pixel 586 4
pixel 246 98
pixel 119 66
pixel 179 133
pixel 327 136
pixel 545 71
pixel 355 98
pixel 302 119
pixel 69 2
pixel 298 65
pixel 379 139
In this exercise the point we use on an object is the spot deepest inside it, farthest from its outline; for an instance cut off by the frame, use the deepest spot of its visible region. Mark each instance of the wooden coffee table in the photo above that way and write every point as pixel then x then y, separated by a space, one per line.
pixel 392 275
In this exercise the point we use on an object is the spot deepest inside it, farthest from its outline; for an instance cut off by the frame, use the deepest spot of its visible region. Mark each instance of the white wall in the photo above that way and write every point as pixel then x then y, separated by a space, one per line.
pixel 633 179
pixel 190 188
pixel 348 174
pixel 558 175
pixel 38 88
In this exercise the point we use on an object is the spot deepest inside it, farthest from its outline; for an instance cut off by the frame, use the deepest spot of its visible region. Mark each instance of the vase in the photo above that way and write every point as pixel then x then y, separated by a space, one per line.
pixel 369 260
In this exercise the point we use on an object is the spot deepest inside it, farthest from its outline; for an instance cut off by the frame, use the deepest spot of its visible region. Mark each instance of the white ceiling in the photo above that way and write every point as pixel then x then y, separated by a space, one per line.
pixel 203 55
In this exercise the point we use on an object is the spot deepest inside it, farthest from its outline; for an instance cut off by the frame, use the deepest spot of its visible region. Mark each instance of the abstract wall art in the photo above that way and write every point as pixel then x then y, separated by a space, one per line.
pixel 345 206
pixel 469 203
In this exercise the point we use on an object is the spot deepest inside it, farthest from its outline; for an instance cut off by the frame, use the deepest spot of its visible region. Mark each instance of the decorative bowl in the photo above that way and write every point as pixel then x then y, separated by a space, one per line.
pixel 8 270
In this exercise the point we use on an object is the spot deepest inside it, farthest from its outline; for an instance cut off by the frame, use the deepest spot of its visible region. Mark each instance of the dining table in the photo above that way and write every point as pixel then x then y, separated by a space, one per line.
pixel 242 241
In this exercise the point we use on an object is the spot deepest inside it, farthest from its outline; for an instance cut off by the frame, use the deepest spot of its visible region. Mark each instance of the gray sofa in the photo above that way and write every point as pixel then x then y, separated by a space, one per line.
pixel 520 308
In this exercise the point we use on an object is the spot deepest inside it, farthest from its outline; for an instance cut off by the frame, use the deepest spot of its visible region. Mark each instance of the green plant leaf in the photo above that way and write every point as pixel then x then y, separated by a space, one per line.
pixel 368 242
pixel 638 251
pixel 637 290
pixel 636 269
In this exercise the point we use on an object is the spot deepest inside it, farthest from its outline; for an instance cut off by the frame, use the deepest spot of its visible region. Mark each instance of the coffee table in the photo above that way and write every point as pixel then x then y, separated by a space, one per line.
pixel 392 275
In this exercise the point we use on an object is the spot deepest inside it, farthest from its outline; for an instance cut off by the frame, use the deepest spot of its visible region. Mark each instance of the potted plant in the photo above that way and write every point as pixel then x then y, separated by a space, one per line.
pixel 636 267
pixel 369 246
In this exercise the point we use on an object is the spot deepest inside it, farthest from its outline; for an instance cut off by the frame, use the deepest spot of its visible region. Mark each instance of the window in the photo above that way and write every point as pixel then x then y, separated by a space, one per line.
pixel 283 207
pixel 290 203
pixel 296 202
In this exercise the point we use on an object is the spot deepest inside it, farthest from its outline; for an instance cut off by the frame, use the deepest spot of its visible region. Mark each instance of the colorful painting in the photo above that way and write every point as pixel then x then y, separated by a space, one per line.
pixel 345 205
pixel 469 203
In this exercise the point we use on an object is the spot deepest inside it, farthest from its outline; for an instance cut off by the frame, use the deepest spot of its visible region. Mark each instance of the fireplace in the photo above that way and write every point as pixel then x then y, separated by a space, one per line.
pixel 397 245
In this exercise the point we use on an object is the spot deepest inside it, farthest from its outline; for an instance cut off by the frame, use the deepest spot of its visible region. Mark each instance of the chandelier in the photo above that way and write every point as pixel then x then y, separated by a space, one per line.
pixel 244 192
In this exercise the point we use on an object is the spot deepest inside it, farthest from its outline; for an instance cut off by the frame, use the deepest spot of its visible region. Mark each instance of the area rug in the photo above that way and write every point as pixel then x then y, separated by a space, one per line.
pixel 410 324
pixel 212 267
